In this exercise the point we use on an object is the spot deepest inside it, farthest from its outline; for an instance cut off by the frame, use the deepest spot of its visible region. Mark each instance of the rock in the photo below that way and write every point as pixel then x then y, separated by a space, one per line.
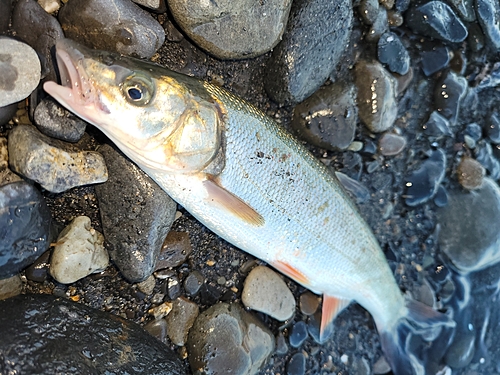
pixel 464 9
pixel 487 14
pixel 448 95
pixel 379 27
pixel 368 10
pixel 476 38
pixel 173 287
pixel 193 282
pixel 281 345
pixel 55 121
pixel 474 131
pixel 376 96
pixel 312 46
pixel 441 197
pixel 50 6
pixel 308 303
pixel 467 235
pixel 7 112
pixel 435 60
pixel 5 15
pixel 161 311
pixel 136 216
pixel 10 287
pixel 232 29
pixel 116 25
pixel 227 339
pixel 24 227
pixel 328 118
pixel 6 175
pixel 436 19
pixel 147 286
pixel 158 328
pixel 40 30
pixel 57 166
pixel 470 173
pixel 296 365
pixel 356 188
pixel 19 71
pixel 424 182
pixel 174 251
pixel 437 126
pixel 39 270
pixel 157 6
pixel 79 251
pixel 493 129
pixel 265 291
pixel 461 351
pixel 181 319
pixel 298 334
pixel 392 52
pixel 391 144
pixel 87 340
pixel 484 155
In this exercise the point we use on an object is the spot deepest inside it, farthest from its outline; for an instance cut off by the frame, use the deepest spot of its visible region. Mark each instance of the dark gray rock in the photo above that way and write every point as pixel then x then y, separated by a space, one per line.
pixel 136 216
pixel 117 25
pixel 57 122
pixel 328 118
pixel 157 6
pixel 474 131
pixel 435 60
pixel 6 6
pixel 174 251
pixel 193 283
pixel 24 227
pixel 392 52
pixel 40 30
pixel 227 339
pixel 7 112
pixel 437 126
pixel 48 335
pixel 312 46
pixel 488 13
pixel 181 319
pixel 448 95
pixel 379 27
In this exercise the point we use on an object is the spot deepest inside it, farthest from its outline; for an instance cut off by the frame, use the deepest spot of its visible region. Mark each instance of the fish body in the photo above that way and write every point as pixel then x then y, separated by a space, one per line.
pixel 246 179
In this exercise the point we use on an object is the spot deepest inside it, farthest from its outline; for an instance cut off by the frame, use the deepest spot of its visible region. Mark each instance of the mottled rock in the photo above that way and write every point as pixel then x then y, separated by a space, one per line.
pixel 227 339
pixel 10 287
pixel 298 334
pixel 265 291
pixel 312 46
pixel 424 182
pixel 19 71
pixel 391 144
pixel 24 227
pixel 391 51
pixel 136 216
pixel 376 96
pixel 174 251
pixel 117 25
pixel 488 16
pixel 57 122
pixel 6 175
pixel 63 337
pixel 470 173
pixel 467 235
pixel 296 365
pixel 232 29
pixel 181 319
pixel 448 95
pixel 328 118
pixel 57 166
pixel 435 60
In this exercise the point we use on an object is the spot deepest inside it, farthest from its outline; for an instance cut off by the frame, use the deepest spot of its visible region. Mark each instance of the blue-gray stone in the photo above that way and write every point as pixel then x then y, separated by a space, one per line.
pixel 474 131
pixel 488 14
pixel 298 334
pixel 393 53
pixel 448 95
pixel 296 365
pixel 435 60
pixel 437 126
pixel 484 154
pixel 493 129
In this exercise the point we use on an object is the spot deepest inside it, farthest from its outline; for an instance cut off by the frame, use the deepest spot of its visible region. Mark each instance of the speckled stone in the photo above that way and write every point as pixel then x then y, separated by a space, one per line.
pixel 470 173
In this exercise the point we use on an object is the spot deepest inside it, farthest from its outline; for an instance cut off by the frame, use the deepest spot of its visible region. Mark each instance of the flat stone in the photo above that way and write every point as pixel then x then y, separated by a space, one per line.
pixel 484 154
pixel 265 291
pixel 57 166
pixel 236 29
pixel 79 251
pixel 181 319
pixel 63 337
pixel 19 71
pixel 136 216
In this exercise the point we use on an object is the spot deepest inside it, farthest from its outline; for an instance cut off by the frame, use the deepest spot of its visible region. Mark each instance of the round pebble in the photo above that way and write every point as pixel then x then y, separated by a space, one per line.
pixel 281 345
pixel 392 52
pixel 39 270
pixel 296 365
pixel 265 291
pixel 193 282
pixel 391 144
pixel 298 334
pixel 470 173
pixel 379 27
pixel 19 71
pixel 308 303
pixel 368 10
pixel 181 319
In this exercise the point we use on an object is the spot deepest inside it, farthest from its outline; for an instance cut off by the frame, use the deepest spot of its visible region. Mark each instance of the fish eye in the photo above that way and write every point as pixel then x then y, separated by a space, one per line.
pixel 138 89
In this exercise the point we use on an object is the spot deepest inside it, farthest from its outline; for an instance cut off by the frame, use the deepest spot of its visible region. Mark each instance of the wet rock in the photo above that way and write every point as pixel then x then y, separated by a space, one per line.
pixel 147 286
pixel 376 96
pixel 312 46
pixel 158 328
pixel 7 112
pixel 265 291
pixel 490 80
pixel 79 251
pixel 10 287
pixel 296 365
pixel 391 144
pixel 39 270
pixel 181 319
pixel 19 71
pixel 308 303
pixel 470 173
pixel 461 351
pixel 24 227
pixel 193 282
pixel 487 14
pixel 448 96
pixel 484 155
pixel 117 25
pixel 328 118
pixel 232 29
pixel 87 340
pixel 493 129
pixel 5 5
pixel 40 30
pixel 436 19
pixel 392 52
pixel 136 216
pixel 435 60
pixel 56 122
pixel 437 126
pixel 368 10
pixel 55 165
pixel 227 339
pixel 174 251
pixel 467 235
pixel 161 311
pixel 379 27
pixel 173 287
pixel 424 182
pixel 298 334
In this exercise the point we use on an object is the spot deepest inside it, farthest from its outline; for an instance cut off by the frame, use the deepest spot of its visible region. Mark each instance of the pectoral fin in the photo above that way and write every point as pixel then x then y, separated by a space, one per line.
pixel 332 306
pixel 291 272
pixel 231 203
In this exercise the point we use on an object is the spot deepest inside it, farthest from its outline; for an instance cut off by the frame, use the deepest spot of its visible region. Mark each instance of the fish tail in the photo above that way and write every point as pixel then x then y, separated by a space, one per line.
pixel 398 341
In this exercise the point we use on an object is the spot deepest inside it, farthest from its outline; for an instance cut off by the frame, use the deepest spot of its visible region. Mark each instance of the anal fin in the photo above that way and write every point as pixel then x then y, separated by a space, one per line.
pixel 332 306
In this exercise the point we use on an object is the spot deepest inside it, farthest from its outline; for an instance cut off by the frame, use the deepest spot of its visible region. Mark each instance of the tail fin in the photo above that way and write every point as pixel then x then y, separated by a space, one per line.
pixel 405 344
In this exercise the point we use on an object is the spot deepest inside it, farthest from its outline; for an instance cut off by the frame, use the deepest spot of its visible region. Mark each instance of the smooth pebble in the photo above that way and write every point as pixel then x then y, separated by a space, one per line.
pixel 298 334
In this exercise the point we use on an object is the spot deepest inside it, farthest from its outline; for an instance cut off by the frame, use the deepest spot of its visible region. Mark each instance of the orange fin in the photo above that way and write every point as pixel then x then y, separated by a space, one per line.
pixel 332 306
pixel 231 202
pixel 291 272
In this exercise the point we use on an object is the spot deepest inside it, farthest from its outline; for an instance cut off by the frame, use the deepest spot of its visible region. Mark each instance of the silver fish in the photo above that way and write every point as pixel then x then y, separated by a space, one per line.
pixel 246 179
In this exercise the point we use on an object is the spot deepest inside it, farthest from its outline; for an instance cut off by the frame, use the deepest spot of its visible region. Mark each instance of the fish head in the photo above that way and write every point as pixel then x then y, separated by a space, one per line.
pixel 162 120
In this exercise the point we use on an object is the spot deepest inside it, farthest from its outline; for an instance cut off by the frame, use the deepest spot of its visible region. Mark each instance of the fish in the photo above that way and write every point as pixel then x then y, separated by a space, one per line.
pixel 249 181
